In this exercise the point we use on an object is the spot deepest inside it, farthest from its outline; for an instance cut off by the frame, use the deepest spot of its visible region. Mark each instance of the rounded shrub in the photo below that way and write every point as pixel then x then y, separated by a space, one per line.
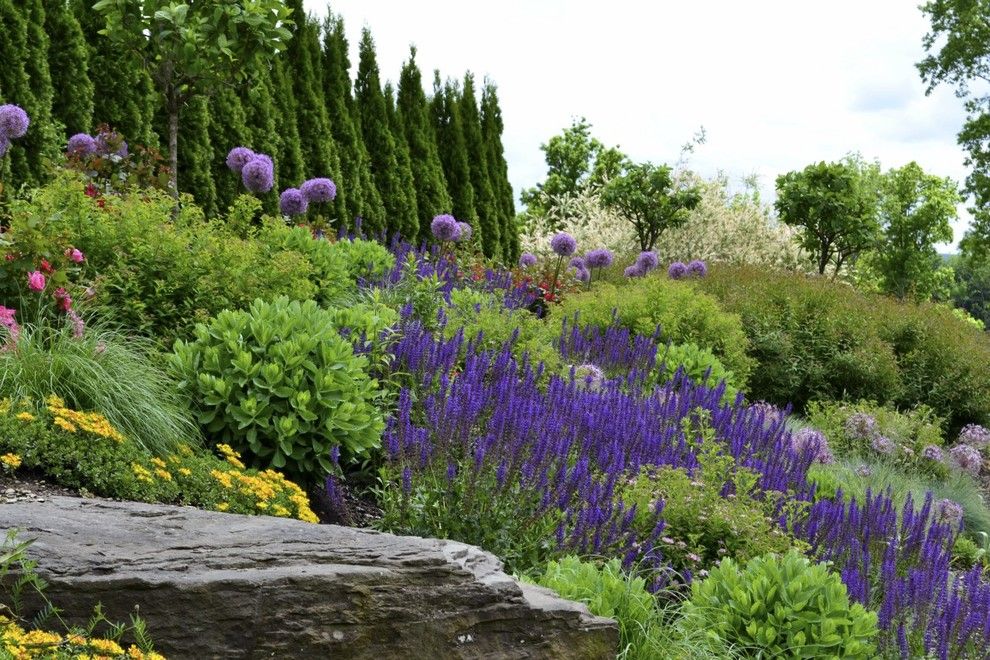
pixel 699 364
pixel 279 383
pixel 781 607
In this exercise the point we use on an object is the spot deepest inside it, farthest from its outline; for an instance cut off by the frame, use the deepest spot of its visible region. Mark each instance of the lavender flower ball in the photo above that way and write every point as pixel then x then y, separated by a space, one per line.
pixel 882 444
pixel 258 175
pixel 809 440
pixel 600 258
pixel 647 261
pixel 864 471
pixel 292 202
pixel 771 413
pixel 14 121
pixel 860 426
pixel 238 158
pixel 583 275
pixel 948 512
pixel 563 244
pixel 697 268
pixel 527 260
pixel 633 271
pixel 466 232
pixel 974 435
pixel 319 190
pixel 677 270
pixel 933 453
pixel 966 458
pixel 577 262
pixel 445 228
pixel 588 376
pixel 81 144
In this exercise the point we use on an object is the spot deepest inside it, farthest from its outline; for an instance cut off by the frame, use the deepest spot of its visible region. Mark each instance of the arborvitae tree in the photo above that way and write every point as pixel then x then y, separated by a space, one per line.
pixel 123 95
pixel 45 139
pixel 432 197
pixel 228 129
pixel 196 154
pixel 412 230
pixel 289 162
pixel 363 199
pixel 265 126
pixel 453 153
pixel 400 203
pixel 484 197
pixel 68 62
pixel 14 88
pixel 498 169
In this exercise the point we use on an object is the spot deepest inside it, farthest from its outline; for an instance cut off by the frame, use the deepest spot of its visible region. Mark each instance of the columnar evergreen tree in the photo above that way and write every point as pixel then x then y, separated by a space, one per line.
pixel 228 128
pixel 68 62
pixel 14 87
pixel 123 95
pixel 484 196
pixel 411 229
pixel 400 203
pixel 363 200
pixel 290 162
pixel 265 126
pixel 196 175
pixel 453 152
pixel 44 140
pixel 417 130
pixel 498 169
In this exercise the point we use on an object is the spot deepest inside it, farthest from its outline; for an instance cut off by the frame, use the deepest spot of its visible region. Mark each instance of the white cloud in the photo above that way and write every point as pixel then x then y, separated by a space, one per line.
pixel 777 84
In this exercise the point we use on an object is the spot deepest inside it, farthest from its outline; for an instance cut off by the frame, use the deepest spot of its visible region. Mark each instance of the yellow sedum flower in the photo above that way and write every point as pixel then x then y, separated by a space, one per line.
pixel 91 422
pixel 223 506
pixel 24 416
pixel 106 646
pixel 65 424
pixel 233 457
pixel 11 461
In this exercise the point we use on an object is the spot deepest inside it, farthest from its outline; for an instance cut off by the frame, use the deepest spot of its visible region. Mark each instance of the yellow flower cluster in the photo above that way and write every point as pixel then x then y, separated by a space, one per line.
pixel 19 644
pixel 72 420
pixel 263 488
pixel 233 457
pixel 11 461
pixel 24 416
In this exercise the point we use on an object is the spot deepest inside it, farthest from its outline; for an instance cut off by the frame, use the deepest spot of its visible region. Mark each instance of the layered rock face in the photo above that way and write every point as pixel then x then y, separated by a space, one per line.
pixel 213 585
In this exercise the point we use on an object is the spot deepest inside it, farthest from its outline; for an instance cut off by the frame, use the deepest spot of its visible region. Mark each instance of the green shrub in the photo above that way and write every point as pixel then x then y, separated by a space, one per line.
pixel 817 339
pixel 83 451
pixel 102 370
pixel 365 259
pixel 699 364
pixel 331 270
pixel 279 383
pixel 782 607
pixel 684 315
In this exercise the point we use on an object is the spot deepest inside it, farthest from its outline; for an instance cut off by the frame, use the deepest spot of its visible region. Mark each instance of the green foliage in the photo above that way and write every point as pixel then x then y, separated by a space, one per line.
pixel 915 210
pixel 365 259
pixel 782 607
pixel 684 314
pixel 279 382
pixel 484 194
pixel 451 145
pixel 68 60
pixel 404 160
pixel 699 364
pixel 498 171
pixel 649 197
pixel 835 205
pixel 819 340
pixel 103 370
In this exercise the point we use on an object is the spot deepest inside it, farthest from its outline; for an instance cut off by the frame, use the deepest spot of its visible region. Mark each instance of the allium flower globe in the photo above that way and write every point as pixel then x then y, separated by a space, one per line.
pixel 882 444
pixel 292 202
pixel 577 262
pixel 318 191
pixel 677 270
pixel 466 232
pixel 864 471
pixel 107 140
pixel 14 121
pixel 238 158
pixel 258 175
pixel 527 260
pixel 563 244
pixel 933 453
pixel 697 268
pixel 647 261
pixel 974 435
pixel 583 275
pixel 948 512
pixel 966 458
pixel 633 271
pixel 588 376
pixel 81 144
pixel 860 426
pixel 444 228
pixel 600 258
pixel 809 440
pixel 771 413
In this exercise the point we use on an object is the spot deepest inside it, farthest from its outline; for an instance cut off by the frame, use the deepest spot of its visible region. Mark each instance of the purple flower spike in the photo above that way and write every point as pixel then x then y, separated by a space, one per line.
pixel 677 270
pixel 258 175
pixel 563 244
pixel 292 202
pixel 444 228
pixel 238 158
pixel 319 190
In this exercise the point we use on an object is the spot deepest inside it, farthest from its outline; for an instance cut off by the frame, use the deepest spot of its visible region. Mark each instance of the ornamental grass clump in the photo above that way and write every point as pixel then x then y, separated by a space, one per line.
pixel 279 384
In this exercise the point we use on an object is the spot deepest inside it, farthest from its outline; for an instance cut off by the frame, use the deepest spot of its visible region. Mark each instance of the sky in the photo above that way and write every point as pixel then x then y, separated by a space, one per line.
pixel 775 84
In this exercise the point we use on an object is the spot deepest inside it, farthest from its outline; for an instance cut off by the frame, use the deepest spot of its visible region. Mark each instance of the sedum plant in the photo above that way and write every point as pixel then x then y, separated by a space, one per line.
pixel 782 607
pixel 280 384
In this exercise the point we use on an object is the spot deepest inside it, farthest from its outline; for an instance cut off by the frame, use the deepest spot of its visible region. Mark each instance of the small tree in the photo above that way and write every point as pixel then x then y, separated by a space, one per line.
pixel 915 210
pixel 191 47
pixel 835 207
pixel 648 196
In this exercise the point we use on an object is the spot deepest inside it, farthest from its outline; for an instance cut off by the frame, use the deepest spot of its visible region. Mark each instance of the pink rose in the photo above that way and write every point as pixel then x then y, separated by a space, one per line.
pixel 36 281
pixel 75 255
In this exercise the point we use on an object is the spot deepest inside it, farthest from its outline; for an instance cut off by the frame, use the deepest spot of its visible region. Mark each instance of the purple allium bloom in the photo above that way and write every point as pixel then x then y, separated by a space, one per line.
pixel 577 262
pixel 634 271
pixel 81 144
pixel 238 158
pixel 966 458
pixel 258 175
pixel 588 376
pixel 933 453
pixel 563 244
pixel 526 260
pixel 771 413
pixel 974 435
pixel 813 442
pixel 861 426
pixel 600 258
pixel 947 511
pixel 647 261
pixel 864 471
pixel 583 275
pixel 106 139
pixel 466 232
pixel 445 228
pixel 319 190
pixel 882 444
pixel 14 121
pixel 292 202
pixel 697 268
pixel 677 270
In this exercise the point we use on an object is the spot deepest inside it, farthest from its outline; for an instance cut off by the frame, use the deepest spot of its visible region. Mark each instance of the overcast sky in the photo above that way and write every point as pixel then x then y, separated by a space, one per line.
pixel 776 84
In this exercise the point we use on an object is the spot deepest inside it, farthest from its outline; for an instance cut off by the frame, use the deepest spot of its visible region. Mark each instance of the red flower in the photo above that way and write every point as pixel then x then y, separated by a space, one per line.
pixel 91 190
pixel 46 267
pixel 102 203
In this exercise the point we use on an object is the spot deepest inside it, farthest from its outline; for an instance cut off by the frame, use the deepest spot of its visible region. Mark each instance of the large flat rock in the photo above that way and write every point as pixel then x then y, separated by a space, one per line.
pixel 213 585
